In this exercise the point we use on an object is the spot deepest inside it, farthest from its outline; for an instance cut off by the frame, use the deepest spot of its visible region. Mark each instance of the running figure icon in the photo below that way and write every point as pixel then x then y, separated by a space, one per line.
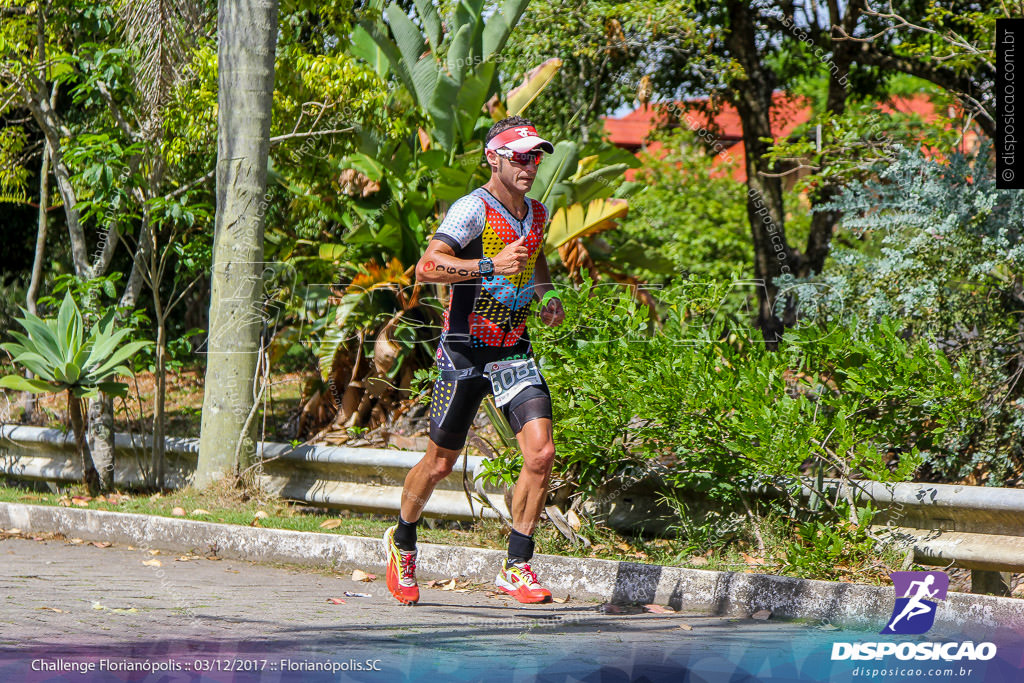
pixel 916 604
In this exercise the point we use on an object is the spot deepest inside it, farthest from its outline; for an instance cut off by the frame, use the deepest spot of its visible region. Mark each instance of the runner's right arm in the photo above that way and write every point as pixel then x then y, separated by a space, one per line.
pixel 440 264
pixel 463 223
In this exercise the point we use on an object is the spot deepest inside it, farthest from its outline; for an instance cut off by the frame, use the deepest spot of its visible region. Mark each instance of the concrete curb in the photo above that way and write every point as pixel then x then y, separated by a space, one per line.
pixel 713 592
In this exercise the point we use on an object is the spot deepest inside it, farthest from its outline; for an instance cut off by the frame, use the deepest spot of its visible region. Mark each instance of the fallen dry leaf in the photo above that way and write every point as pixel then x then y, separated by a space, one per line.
pixel 698 561
pixel 560 600
pixel 102 544
pixel 187 558
pixel 360 575
pixel 750 559
pixel 330 524
pixel 261 514
pixel 336 601
pixel 200 511
pixel 213 558
pixel 450 586
pixel 574 520
pixel 153 563
pixel 623 546
pixel 178 512
pixel 52 609
pixel 761 615
pixel 686 627
pixel 81 501
pixel 97 605
pixel 154 552
pixel 76 541
pixel 659 609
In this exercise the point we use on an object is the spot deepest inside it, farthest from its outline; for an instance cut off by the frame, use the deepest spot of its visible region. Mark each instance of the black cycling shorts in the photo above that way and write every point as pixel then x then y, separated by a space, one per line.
pixel 454 403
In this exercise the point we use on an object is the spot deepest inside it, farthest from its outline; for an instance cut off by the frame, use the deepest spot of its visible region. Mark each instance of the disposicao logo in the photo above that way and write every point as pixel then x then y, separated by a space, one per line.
pixel 916 593
pixel 914 614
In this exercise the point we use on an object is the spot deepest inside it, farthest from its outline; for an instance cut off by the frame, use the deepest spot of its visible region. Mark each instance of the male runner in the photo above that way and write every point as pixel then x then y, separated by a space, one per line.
pixel 489 247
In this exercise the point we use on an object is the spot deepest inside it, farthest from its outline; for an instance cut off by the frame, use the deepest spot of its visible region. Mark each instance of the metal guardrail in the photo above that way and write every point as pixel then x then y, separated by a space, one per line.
pixel 365 479
pixel 976 528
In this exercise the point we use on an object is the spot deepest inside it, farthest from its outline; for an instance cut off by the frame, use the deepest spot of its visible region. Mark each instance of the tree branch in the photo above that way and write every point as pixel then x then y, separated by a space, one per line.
pixel 309 134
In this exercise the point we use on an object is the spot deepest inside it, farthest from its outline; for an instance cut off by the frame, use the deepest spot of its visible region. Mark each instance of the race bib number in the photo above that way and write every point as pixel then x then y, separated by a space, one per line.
pixel 509 377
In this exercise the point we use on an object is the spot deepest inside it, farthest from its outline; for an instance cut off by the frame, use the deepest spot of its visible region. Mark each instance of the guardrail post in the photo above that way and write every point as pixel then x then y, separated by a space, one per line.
pixel 990 583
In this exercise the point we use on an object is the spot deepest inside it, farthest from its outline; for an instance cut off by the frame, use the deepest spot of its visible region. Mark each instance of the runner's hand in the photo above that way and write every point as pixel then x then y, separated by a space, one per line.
pixel 512 259
pixel 553 314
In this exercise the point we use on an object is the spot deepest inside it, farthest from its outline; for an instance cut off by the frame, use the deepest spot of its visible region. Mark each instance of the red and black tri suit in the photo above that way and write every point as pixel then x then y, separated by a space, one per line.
pixel 485 320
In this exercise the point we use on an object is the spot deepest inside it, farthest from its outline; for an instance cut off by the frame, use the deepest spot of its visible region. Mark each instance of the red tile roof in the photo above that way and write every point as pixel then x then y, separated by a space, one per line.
pixel 632 130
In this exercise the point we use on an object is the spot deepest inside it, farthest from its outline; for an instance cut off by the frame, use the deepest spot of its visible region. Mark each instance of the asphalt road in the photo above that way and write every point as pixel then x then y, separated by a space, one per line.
pixel 75 611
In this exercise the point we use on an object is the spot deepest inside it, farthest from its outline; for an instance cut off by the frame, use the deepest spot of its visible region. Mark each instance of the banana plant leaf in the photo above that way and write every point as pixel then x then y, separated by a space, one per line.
pixel 499 26
pixel 556 167
pixel 364 47
pixel 518 99
pixel 431 22
pixel 577 220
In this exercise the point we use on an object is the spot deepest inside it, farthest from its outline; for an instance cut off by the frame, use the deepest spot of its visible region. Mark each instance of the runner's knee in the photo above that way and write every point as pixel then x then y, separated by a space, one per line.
pixel 439 462
pixel 540 458
pixel 440 467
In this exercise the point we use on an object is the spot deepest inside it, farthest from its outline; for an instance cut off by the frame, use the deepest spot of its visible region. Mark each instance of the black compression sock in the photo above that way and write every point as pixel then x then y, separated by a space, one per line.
pixel 405 534
pixel 520 547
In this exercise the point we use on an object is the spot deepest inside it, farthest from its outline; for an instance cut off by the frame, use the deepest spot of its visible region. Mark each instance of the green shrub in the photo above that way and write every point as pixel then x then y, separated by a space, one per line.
pixel 940 250
pixel 708 407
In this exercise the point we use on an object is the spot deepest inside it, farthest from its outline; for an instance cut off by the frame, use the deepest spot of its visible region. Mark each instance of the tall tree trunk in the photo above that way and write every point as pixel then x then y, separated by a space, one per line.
pixel 32 296
pixel 819 240
pixel 159 403
pixel 101 439
pixel 136 276
pixel 42 103
pixel 90 478
pixel 49 122
pixel 752 97
pixel 247 37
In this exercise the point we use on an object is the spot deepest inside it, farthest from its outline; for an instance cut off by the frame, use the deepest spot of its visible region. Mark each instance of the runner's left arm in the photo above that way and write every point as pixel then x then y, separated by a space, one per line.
pixel 552 314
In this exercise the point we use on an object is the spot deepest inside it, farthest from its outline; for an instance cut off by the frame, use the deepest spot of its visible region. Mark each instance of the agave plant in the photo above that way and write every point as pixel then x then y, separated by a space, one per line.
pixel 64 359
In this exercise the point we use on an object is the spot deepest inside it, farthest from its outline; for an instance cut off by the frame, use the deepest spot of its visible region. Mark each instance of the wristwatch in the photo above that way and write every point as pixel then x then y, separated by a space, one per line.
pixel 487 268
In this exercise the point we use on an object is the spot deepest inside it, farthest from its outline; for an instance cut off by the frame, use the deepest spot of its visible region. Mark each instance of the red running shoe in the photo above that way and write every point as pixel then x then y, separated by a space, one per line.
pixel 401 570
pixel 519 581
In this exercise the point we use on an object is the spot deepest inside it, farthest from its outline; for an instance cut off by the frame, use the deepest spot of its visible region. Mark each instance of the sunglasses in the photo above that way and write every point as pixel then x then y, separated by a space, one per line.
pixel 523 158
